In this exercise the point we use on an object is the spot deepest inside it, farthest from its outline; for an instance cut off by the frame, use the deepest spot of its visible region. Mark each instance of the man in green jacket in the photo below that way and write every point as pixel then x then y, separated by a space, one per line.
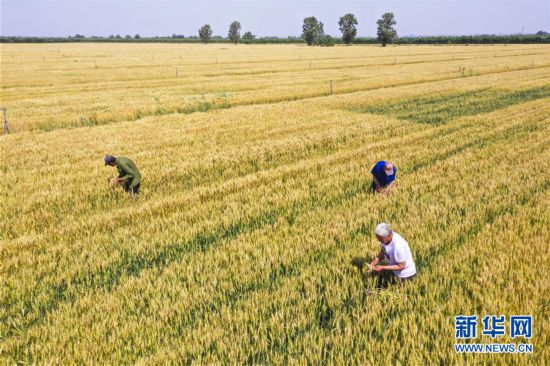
pixel 128 174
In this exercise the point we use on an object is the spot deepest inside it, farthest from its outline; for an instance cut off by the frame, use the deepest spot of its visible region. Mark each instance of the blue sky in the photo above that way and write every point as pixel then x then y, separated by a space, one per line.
pixel 267 17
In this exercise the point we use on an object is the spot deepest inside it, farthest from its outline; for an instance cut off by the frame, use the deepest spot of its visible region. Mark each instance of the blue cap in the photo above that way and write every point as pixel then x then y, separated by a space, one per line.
pixel 109 159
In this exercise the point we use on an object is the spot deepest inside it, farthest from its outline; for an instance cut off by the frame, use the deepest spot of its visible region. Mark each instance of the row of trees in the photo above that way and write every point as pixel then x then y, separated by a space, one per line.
pixel 313 31
pixel 541 38
pixel 234 34
pixel 112 36
pixel 314 34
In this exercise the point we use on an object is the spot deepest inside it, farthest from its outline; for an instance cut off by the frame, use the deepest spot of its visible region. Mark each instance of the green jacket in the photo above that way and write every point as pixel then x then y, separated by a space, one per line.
pixel 128 171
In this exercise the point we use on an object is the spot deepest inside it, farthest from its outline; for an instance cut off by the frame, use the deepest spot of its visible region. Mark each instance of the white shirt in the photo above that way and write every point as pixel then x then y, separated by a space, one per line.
pixel 398 251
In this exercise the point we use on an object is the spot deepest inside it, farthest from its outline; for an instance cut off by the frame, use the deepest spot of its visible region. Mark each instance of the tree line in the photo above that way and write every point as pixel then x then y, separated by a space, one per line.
pixel 313 34
pixel 477 39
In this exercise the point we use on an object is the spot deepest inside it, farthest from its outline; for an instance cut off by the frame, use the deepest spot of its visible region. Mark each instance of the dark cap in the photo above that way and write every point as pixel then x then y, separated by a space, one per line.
pixel 109 159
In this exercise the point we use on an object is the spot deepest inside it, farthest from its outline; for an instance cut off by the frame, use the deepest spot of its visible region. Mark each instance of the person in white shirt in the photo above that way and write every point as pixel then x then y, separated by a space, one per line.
pixel 397 252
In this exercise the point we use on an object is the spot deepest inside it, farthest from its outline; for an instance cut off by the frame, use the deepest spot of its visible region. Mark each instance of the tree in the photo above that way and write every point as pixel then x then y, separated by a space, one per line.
pixel 234 33
pixel 347 25
pixel 205 33
pixel 248 37
pixel 137 36
pixel 386 33
pixel 312 30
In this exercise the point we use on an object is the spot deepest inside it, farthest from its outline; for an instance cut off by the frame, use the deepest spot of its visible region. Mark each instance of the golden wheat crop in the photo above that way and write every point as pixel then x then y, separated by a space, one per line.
pixel 254 201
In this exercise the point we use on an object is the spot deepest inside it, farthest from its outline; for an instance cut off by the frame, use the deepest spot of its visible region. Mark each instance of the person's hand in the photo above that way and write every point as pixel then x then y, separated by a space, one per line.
pixel 377 268
pixel 378 189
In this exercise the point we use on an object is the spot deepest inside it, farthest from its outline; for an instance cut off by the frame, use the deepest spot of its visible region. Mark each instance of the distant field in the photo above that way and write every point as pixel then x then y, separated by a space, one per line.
pixel 254 201
pixel 70 85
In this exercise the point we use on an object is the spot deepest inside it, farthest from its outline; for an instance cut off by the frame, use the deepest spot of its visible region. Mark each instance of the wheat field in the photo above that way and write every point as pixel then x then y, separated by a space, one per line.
pixel 256 166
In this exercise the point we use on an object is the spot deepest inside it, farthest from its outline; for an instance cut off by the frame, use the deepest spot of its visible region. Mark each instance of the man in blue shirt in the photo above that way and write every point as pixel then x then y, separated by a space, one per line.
pixel 383 177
